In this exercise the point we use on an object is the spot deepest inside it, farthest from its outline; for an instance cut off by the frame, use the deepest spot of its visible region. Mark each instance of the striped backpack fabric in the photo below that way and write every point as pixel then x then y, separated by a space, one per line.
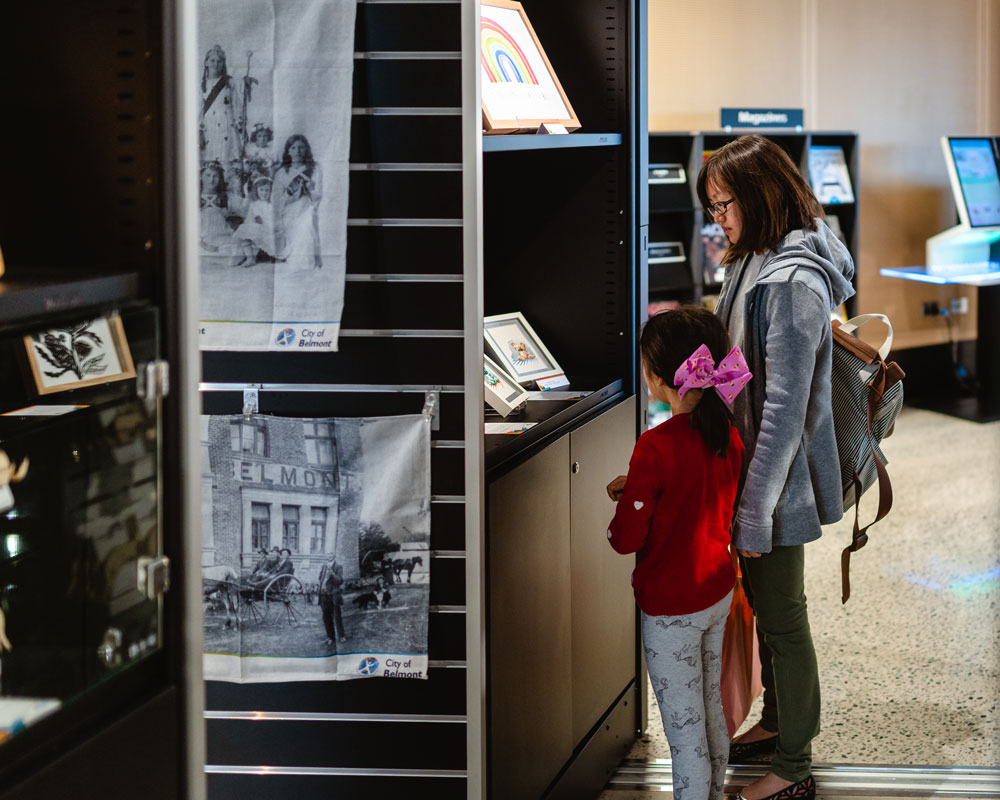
pixel 867 397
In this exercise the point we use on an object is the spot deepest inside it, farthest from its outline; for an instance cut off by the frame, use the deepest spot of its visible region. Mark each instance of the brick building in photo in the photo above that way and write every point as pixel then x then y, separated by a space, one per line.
pixel 276 481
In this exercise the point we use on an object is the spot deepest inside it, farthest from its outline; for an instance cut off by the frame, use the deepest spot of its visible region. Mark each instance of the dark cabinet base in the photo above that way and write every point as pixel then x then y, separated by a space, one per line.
pixel 134 757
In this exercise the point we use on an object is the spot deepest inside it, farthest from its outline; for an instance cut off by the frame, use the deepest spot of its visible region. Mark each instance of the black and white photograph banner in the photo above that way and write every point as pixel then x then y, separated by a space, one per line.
pixel 315 551
pixel 274 138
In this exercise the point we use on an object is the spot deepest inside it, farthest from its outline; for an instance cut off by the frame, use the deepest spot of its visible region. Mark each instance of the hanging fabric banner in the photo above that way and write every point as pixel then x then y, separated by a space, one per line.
pixel 315 547
pixel 275 89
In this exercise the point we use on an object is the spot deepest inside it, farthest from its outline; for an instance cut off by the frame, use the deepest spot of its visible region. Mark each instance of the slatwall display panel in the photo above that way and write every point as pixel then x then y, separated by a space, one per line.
pixel 442 693
pixel 374 251
pixel 349 787
pixel 325 743
pixel 409 194
pixel 427 360
pixel 408 83
pixel 401 336
pixel 432 137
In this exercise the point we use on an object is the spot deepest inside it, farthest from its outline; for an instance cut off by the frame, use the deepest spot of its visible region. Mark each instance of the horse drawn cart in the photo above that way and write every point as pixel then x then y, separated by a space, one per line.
pixel 274 598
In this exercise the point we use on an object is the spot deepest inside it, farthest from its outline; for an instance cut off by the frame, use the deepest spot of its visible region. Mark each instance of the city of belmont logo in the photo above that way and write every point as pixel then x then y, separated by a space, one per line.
pixel 307 337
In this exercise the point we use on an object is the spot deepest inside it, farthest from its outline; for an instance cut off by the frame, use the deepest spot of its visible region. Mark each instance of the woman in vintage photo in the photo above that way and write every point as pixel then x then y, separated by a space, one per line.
pixel 296 194
pixel 218 128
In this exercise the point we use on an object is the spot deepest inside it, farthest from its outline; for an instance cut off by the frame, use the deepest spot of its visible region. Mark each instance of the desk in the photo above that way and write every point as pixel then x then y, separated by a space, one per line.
pixel 985 407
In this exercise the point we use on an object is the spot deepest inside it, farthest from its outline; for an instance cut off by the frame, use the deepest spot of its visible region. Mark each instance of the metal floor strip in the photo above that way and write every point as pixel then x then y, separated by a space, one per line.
pixel 836 780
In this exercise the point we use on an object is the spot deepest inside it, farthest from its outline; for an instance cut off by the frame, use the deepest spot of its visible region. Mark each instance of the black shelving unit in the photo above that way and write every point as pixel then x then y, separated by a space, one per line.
pixel 560 239
pixel 676 214
pixel 92 229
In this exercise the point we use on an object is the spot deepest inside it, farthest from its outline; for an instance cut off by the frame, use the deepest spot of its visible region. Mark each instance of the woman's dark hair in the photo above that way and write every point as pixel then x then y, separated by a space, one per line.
pixel 773 196
pixel 286 159
pixel 667 340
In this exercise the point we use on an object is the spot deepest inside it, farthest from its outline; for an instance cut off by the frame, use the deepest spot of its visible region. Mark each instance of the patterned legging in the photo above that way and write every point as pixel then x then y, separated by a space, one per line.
pixel 684 658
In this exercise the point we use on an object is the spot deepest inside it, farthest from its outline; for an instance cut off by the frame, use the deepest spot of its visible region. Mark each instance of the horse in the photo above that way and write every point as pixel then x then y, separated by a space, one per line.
pixel 399 564
pixel 226 581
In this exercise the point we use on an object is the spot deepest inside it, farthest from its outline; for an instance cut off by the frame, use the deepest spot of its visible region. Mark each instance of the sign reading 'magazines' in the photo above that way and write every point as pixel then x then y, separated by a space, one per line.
pixel 761 118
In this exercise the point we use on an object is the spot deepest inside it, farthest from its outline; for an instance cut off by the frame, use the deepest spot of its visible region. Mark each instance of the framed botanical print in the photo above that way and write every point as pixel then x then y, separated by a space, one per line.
pixel 80 354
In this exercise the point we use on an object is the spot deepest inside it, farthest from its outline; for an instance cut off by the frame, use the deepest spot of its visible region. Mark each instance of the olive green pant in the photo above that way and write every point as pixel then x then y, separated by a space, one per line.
pixel 774 585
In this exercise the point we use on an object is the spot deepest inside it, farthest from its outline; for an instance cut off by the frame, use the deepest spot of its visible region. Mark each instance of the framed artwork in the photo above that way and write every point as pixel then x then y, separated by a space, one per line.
pixel 503 393
pixel 514 345
pixel 520 88
pixel 78 355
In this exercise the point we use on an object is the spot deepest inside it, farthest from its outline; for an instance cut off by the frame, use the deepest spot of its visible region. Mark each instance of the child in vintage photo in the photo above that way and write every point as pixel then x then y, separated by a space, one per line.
pixel 674 509
pixel 256 234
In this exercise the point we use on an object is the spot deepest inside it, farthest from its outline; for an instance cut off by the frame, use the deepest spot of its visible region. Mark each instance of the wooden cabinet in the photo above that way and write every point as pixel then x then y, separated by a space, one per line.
pixel 562 623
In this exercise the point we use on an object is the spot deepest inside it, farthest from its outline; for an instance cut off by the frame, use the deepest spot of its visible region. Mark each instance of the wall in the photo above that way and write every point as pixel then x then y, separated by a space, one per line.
pixel 901 73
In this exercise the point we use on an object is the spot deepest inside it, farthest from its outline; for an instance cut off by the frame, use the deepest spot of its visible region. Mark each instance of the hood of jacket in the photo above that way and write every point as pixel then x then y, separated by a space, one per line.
pixel 812 256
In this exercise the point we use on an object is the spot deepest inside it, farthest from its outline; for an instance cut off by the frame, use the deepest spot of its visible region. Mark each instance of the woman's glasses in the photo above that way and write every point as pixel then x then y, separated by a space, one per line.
pixel 717 209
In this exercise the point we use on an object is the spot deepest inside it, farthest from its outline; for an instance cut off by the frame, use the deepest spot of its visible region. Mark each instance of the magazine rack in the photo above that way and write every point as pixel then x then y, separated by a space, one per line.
pixel 676 215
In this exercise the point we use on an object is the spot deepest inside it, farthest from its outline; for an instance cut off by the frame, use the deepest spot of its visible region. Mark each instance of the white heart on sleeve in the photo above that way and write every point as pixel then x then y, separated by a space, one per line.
pixel 638 504
pixel 609 533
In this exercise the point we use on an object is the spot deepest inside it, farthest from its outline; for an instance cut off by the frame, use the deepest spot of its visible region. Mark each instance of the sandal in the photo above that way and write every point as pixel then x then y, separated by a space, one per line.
pixel 803 790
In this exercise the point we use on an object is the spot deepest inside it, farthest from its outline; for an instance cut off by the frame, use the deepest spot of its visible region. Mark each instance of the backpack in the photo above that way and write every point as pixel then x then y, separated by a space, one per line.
pixel 867 395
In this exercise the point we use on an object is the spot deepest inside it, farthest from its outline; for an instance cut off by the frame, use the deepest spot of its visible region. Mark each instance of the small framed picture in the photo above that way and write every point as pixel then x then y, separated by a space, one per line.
pixel 80 354
pixel 520 88
pixel 503 393
pixel 514 345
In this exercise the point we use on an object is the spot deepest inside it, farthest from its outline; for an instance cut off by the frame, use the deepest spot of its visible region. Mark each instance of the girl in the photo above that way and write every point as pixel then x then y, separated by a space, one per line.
pixel 297 192
pixel 216 234
pixel 256 234
pixel 785 272
pixel 674 509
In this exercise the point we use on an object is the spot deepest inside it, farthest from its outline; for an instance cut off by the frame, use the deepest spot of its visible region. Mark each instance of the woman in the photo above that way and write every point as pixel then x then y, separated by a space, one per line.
pixel 785 272
pixel 295 195
pixel 218 128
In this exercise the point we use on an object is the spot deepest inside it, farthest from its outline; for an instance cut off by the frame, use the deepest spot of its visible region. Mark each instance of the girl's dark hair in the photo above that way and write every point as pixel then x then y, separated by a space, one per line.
pixel 667 339
pixel 286 158
pixel 221 190
pixel 773 196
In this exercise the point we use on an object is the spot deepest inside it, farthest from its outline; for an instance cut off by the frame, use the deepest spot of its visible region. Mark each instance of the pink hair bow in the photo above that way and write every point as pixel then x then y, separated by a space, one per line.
pixel 699 372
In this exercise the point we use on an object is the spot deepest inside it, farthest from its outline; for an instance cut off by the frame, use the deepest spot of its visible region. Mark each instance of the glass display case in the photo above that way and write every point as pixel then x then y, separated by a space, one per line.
pixel 82 571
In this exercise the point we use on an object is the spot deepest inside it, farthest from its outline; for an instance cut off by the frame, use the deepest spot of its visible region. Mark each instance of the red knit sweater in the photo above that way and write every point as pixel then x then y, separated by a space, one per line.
pixel 676 512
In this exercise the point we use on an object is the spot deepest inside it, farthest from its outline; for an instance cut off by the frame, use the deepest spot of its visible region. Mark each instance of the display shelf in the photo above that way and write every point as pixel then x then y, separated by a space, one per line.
pixel 550 418
pixel 516 141
pixel 27 296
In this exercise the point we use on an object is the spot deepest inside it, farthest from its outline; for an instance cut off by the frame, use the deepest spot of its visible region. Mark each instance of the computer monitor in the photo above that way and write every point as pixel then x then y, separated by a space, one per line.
pixel 975 180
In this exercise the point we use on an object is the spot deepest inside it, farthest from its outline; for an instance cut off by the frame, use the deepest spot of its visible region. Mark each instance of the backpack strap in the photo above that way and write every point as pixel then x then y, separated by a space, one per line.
pixel 885 377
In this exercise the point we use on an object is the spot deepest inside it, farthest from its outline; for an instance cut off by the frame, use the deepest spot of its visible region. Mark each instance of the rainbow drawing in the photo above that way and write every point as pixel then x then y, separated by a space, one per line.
pixel 503 60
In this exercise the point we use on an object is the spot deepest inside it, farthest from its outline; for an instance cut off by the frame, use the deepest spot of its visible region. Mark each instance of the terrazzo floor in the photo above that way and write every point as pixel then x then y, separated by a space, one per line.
pixel 910 666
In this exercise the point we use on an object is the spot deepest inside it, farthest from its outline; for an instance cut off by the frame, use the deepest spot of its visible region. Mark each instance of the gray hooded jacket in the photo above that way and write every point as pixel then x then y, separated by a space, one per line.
pixel 791 480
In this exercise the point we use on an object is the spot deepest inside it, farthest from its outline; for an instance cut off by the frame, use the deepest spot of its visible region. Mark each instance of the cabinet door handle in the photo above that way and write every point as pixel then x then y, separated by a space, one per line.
pixel 576 467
